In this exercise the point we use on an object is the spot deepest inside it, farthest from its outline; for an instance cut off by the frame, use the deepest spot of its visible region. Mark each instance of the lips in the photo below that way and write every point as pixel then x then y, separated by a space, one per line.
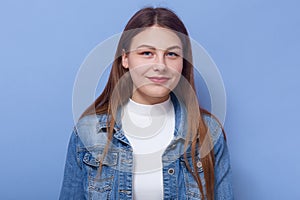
pixel 158 79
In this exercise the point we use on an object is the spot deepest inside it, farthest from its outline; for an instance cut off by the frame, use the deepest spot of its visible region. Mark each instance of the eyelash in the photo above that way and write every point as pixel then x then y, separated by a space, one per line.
pixel 146 53
pixel 173 54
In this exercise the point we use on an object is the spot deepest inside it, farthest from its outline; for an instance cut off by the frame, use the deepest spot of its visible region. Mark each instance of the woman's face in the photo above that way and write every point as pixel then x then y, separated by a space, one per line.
pixel 155 63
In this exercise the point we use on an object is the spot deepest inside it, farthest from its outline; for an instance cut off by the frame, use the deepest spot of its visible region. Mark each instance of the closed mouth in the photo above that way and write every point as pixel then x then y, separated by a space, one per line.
pixel 158 79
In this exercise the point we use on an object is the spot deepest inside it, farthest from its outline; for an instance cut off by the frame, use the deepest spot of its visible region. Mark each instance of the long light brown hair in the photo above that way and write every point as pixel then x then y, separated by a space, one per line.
pixel 198 130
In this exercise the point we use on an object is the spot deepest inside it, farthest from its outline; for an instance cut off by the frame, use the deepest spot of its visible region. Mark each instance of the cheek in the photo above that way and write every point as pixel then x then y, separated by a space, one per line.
pixel 176 66
pixel 135 67
pixel 134 61
pixel 179 69
pixel 138 75
pixel 138 70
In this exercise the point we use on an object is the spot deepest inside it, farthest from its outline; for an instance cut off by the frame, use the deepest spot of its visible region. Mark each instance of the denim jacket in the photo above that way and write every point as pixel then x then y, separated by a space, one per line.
pixel 89 138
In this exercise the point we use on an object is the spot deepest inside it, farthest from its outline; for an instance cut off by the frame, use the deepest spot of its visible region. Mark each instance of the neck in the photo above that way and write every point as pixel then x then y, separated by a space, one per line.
pixel 149 100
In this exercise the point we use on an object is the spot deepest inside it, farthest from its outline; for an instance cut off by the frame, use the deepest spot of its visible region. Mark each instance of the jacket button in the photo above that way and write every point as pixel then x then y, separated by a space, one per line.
pixel 171 171
pixel 199 164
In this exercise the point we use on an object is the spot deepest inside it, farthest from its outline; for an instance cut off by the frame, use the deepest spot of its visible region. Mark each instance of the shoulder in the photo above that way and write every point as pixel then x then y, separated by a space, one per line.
pixel 215 128
pixel 218 139
pixel 88 128
pixel 91 122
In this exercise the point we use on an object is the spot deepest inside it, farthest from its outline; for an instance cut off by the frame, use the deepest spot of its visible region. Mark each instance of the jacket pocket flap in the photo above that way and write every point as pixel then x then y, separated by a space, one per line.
pixel 93 158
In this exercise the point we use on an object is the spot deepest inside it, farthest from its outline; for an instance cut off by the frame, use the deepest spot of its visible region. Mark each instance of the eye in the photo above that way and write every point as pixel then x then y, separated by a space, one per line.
pixel 146 53
pixel 172 54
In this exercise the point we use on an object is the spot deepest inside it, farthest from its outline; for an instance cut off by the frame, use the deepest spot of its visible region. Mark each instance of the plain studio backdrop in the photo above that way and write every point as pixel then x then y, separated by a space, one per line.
pixel 255 45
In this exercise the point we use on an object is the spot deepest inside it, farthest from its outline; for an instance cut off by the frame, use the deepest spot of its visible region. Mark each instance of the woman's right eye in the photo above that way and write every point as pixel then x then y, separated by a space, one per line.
pixel 146 53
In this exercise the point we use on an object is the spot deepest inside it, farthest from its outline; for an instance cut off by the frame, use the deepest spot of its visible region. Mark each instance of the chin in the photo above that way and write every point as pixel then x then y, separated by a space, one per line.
pixel 156 92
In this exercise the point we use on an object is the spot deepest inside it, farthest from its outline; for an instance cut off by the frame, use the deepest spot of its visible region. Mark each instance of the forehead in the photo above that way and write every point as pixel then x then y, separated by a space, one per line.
pixel 158 37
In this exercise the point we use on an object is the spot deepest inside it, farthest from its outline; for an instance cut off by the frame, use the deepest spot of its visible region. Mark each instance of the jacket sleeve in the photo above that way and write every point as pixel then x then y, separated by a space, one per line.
pixel 72 185
pixel 223 179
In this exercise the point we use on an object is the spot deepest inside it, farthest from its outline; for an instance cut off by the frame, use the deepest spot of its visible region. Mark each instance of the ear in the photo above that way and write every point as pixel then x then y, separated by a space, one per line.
pixel 124 59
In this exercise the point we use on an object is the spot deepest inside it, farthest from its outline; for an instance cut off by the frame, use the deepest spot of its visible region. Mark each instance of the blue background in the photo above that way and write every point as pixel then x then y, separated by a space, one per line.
pixel 254 43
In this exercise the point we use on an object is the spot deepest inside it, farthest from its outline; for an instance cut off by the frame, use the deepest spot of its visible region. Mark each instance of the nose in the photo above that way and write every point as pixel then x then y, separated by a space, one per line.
pixel 160 62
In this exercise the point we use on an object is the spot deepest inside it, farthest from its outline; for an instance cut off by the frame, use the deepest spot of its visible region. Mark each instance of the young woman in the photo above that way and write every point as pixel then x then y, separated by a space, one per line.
pixel 145 136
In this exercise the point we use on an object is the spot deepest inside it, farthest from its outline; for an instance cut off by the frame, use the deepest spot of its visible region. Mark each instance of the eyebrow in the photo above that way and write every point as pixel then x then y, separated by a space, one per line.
pixel 152 47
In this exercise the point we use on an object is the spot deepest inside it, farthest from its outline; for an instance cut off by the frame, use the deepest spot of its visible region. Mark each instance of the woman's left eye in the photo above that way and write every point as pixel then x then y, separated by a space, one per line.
pixel 172 54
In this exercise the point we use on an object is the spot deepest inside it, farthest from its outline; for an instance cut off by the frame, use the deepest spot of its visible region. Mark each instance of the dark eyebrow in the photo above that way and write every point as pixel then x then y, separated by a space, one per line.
pixel 146 46
pixel 174 47
pixel 153 48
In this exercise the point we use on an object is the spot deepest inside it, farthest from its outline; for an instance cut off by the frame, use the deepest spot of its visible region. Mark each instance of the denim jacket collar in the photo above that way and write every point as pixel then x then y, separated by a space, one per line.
pixel 89 127
pixel 180 121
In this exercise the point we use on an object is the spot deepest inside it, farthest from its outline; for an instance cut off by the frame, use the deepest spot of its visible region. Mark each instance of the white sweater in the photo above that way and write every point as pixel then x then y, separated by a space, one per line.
pixel 149 129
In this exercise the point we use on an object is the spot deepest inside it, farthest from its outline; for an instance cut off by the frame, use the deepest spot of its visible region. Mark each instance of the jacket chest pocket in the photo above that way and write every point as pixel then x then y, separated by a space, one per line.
pixel 99 186
pixel 191 186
